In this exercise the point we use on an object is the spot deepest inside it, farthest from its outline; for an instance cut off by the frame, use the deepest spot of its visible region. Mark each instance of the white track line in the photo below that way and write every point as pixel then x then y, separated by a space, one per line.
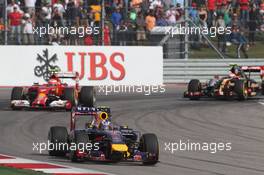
pixel 68 170
pixel 261 102
pixel 61 168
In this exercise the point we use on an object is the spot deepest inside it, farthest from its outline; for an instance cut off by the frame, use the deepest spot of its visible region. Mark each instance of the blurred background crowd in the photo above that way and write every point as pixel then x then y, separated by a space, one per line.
pixel 128 22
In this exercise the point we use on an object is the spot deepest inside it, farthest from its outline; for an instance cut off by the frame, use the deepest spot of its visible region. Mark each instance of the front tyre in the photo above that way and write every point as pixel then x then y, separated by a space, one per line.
pixel 58 137
pixel 262 87
pixel 194 86
pixel 17 93
pixel 240 89
pixel 149 144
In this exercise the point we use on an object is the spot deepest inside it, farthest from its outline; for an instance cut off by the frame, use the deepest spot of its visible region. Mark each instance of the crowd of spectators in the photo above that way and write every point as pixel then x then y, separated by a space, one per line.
pixel 127 22
pixel 244 17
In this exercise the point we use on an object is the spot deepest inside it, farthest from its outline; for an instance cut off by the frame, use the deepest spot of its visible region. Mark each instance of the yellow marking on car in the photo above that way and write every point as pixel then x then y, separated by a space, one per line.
pixel 103 116
pixel 41 95
pixel 119 147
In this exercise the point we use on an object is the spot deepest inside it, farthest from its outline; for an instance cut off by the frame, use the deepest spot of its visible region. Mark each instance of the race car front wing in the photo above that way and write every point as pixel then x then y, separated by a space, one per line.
pixel 54 104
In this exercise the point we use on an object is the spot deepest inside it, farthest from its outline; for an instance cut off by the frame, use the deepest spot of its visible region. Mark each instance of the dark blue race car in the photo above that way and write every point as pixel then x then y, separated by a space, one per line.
pixel 100 140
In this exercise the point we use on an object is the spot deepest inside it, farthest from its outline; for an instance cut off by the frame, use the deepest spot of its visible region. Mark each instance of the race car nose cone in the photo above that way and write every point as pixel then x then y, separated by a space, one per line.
pixel 119 147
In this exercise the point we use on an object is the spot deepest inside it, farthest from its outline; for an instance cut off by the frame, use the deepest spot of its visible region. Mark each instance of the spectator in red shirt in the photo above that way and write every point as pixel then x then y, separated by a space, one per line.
pixel 244 11
pixel 107 39
pixel 211 6
pixel 88 40
pixel 15 18
pixel 2 28
pixel 220 6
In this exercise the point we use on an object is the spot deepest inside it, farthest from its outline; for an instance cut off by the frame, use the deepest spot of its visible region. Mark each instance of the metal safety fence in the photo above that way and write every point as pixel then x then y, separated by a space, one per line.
pixel 182 71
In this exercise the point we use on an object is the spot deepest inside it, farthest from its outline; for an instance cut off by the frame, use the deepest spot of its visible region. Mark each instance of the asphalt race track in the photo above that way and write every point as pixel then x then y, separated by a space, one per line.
pixel 169 116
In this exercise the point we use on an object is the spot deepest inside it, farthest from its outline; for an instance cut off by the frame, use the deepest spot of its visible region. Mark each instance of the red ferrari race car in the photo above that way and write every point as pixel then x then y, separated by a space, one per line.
pixel 54 94
pixel 237 84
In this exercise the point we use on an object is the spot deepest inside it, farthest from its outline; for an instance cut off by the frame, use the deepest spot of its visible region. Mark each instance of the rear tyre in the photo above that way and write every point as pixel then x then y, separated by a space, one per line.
pixel 194 86
pixel 240 89
pixel 149 144
pixel 69 94
pixel 81 139
pixel 87 96
pixel 58 135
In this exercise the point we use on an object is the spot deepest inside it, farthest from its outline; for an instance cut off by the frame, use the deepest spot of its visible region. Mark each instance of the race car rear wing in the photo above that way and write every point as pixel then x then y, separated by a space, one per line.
pixel 249 69
pixel 81 110
pixel 58 73
pixel 68 75
pixel 72 75
pixel 252 68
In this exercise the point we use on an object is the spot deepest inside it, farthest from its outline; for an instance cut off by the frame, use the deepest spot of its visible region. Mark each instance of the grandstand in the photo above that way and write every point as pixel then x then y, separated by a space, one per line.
pixel 138 22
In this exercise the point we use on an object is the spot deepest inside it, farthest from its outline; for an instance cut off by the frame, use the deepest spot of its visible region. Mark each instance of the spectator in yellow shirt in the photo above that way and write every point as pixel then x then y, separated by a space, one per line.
pixel 150 21
pixel 96 11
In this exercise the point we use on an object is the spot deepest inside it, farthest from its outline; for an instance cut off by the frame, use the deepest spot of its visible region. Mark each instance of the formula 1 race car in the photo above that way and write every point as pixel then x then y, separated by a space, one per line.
pixel 113 143
pixel 53 94
pixel 238 84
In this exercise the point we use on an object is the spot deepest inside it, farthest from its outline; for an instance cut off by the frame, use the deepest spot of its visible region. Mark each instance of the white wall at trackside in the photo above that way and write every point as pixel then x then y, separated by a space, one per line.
pixel 97 65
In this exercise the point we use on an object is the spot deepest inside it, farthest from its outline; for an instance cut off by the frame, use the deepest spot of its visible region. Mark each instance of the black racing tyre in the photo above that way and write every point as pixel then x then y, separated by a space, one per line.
pixel 239 89
pixel 194 86
pixel 58 137
pixel 69 94
pixel 149 143
pixel 262 88
pixel 87 96
pixel 17 93
pixel 80 139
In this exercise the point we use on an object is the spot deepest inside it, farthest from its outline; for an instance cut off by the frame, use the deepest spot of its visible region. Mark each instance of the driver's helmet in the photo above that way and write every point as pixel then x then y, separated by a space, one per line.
pixel 53 81
pixel 105 125
pixel 235 71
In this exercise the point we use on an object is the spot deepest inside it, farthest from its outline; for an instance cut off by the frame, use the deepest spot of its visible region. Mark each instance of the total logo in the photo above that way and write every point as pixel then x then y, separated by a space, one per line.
pixel 97 65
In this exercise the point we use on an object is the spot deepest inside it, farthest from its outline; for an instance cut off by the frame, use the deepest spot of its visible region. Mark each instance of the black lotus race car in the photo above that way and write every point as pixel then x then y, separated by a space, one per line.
pixel 107 142
pixel 238 85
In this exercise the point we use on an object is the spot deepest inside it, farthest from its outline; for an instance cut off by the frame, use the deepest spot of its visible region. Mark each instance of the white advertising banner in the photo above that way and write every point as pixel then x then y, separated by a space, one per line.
pixel 96 65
